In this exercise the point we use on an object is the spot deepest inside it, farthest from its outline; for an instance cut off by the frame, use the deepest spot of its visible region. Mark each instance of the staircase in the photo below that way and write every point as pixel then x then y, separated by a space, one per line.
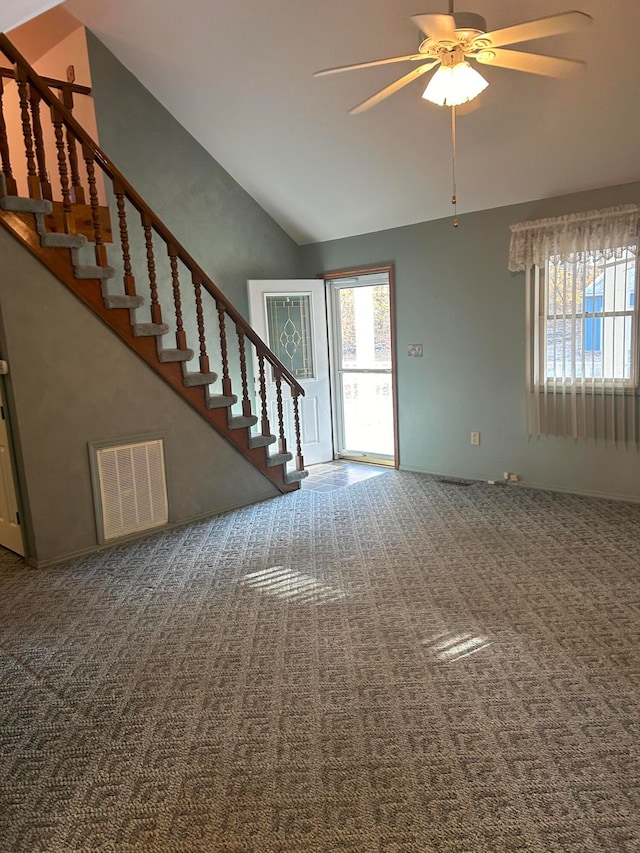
pixel 48 220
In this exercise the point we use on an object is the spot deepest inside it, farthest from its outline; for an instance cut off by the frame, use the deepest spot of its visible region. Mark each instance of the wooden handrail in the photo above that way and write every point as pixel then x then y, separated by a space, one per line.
pixel 51 82
pixel 89 145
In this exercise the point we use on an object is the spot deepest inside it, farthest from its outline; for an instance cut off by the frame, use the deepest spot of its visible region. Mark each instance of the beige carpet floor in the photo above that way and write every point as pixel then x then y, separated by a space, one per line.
pixel 399 666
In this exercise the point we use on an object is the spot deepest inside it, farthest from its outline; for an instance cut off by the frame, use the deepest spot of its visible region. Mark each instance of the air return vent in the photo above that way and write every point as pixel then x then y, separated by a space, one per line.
pixel 132 488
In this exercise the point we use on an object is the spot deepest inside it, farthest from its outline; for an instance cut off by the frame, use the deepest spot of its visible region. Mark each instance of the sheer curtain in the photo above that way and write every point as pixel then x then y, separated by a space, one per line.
pixel 583 370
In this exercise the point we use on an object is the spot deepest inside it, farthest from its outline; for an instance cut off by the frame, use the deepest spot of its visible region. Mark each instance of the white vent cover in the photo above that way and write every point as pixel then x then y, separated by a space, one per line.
pixel 133 489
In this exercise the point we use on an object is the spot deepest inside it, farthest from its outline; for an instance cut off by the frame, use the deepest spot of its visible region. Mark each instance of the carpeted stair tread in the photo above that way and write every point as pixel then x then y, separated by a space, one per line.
pixel 18 204
pixel 143 330
pixel 219 401
pixel 88 271
pixel 191 379
pixel 173 355
pixel 53 240
pixel 261 441
pixel 295 476
pixel 278 459
pixel 242 421
pixel 121 300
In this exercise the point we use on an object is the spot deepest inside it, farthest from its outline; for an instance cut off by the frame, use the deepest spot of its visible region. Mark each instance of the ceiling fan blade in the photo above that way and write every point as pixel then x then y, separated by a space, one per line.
pixel 554 25
pixel 394 87
pixel 436 27
pixel 414 57
pixel 532 63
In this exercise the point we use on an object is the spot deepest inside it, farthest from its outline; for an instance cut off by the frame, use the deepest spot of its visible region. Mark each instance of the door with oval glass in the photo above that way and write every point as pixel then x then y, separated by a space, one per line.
pixel 290 317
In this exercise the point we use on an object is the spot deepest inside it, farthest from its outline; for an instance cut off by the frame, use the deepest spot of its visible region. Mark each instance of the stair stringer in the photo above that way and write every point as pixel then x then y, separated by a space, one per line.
pixel 60 261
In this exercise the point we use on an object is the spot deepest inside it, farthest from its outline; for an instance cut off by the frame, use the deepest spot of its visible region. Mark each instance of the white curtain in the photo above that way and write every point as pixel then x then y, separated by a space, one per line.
pixel 583 347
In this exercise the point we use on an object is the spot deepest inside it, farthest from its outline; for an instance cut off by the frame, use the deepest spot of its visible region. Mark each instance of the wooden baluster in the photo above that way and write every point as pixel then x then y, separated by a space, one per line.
pixel 266 428
pixel 226 380
pixel 43 177
pixel 94 201
pixel 5 159
pixel 67 214
pixel 128 277
pixel 156 309
pixel 33 182
pixel 282 441
pixel 181 337
pixel 204 358
pixel 77 189
pixel 296 417
pixel 246 402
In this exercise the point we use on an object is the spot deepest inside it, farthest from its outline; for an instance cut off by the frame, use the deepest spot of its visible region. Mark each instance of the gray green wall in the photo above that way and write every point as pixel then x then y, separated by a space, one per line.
pixel 223 228
pixel 455 295
pixel 71 382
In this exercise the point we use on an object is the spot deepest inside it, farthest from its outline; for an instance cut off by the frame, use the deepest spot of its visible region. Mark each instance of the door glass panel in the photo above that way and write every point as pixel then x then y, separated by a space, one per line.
pixel 289 332
pixel 365 327
pixel 368 413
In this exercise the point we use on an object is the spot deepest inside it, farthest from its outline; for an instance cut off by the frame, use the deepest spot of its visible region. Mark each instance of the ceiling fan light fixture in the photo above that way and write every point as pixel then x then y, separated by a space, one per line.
pixel 455 85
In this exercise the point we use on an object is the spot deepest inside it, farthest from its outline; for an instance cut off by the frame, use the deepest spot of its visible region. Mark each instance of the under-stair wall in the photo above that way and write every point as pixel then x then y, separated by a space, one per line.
pixel 72 382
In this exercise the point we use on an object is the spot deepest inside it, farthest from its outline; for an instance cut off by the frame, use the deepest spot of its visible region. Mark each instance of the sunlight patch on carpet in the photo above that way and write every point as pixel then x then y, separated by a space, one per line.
pixel 282 582
pixel 452 647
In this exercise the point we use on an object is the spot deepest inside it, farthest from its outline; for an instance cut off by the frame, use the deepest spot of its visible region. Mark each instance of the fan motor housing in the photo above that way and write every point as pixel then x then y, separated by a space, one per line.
pixel 470 24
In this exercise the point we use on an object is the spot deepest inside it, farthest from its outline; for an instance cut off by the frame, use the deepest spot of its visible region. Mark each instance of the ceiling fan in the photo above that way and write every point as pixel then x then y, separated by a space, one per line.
pixel 450 40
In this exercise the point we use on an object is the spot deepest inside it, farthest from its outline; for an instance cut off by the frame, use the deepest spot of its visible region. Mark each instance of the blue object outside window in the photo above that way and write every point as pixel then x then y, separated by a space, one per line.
pixel 593 325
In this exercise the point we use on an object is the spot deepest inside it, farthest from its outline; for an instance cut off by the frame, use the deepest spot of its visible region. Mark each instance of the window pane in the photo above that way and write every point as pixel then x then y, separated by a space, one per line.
pixel 581 340
pixel 560 335
pixel 616 348
pixel 289 328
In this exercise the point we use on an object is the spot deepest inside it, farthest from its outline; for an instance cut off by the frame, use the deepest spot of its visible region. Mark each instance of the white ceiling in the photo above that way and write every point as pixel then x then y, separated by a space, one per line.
pixel 238 75
pixel 15 12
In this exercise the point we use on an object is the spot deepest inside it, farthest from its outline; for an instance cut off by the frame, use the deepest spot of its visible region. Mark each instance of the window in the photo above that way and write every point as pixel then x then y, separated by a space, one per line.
pixel 588 325
pixel 583 325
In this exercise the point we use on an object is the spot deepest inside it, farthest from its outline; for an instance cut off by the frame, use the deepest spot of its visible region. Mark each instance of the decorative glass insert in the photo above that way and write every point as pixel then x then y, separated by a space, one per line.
pixel 289 329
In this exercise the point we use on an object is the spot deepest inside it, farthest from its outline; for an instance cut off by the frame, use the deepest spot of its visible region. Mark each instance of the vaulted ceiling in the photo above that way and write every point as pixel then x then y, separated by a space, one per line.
pixel 238 75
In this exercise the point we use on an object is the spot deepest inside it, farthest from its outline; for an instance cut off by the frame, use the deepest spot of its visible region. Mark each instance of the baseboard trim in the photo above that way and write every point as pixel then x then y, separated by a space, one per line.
pixel 136 537
pixel 585 493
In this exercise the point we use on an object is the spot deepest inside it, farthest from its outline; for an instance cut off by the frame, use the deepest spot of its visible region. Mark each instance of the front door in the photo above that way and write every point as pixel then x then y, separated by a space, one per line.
pixel 290 317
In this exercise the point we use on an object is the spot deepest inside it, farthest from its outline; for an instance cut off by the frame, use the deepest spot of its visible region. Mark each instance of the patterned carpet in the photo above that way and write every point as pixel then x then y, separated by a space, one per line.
pixel 399 666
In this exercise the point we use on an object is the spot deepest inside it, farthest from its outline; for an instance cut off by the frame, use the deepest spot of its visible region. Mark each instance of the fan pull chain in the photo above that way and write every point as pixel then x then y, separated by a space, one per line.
pixel 454 197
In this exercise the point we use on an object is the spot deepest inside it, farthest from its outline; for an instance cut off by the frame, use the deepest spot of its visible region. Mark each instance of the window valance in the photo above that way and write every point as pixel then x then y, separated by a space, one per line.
pixel 570 237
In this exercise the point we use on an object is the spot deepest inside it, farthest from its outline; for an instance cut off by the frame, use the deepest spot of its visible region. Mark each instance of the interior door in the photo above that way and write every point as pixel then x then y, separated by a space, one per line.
pixel 10 532
pixel 290 316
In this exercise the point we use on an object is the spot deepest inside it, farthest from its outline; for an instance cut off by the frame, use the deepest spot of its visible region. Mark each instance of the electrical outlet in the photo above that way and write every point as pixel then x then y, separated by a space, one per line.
pixel 475 438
